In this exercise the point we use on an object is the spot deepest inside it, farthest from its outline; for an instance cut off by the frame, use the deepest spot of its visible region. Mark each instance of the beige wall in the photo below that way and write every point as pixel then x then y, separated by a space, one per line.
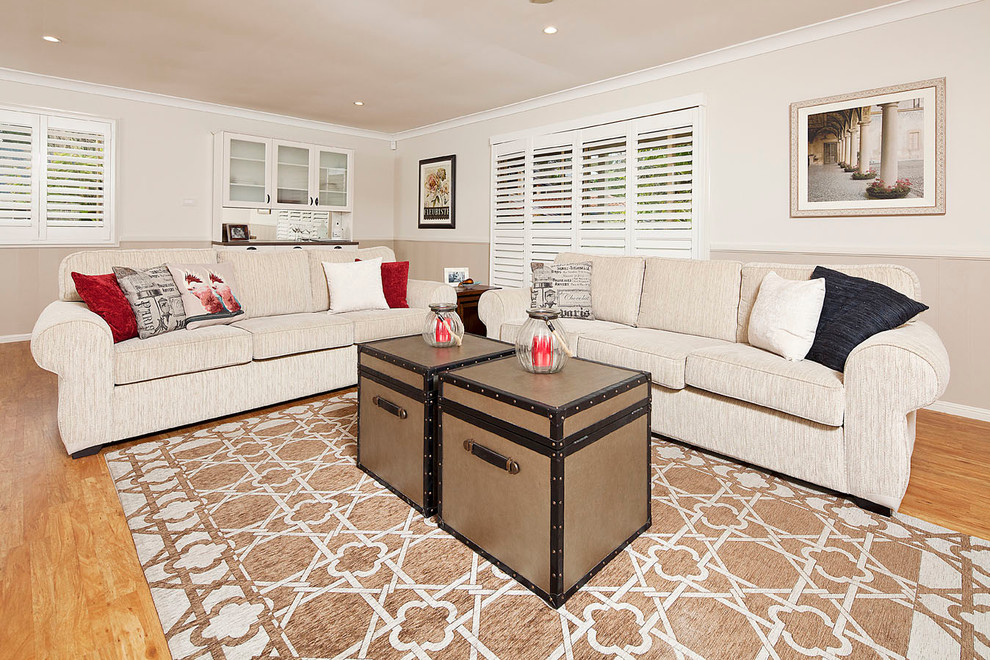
pixel 427 259
pixel 952 287
pixel 747 108
pixel 165 156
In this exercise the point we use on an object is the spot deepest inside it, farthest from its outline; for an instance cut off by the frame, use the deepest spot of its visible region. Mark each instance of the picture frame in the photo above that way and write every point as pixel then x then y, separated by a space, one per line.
pixel 437 192
pixel 839 144
pixel 454 276
pixel 234 233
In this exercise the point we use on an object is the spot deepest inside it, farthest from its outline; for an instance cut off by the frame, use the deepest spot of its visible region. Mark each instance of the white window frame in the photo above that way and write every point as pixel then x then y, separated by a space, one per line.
pixel 39 232
pixel 690 109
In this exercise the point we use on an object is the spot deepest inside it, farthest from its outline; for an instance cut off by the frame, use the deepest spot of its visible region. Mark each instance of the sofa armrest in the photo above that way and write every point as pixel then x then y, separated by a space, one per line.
pixel 420 293
pixel 503 306
pixel 887 378
pixel 73 342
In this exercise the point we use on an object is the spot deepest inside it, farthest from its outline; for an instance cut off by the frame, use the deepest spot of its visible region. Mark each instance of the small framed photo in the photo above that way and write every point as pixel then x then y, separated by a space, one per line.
pixel 454 276
pixel 436 192
pixel 875 152
pixel 233 233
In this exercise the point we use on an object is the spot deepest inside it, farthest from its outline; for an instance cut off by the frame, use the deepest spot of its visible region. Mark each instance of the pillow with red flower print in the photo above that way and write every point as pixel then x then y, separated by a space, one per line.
pixel 103 296
pixel 209 293
pixel 395 282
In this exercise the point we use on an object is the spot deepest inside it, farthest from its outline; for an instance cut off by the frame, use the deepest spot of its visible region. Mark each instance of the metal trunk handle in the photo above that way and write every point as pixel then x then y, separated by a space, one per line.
pixel 390 407
pixel 491 457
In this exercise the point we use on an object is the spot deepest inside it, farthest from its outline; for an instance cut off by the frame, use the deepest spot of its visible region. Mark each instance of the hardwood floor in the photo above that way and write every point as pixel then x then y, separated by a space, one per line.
pixel 70 582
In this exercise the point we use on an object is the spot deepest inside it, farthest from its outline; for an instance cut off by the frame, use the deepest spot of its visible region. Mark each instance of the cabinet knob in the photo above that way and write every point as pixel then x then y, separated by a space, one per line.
pixel 337 247
pixel 268 199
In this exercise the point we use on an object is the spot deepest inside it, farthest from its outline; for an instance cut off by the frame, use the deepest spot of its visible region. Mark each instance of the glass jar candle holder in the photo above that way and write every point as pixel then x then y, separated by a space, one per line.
pixel 542 347
pixel 443 326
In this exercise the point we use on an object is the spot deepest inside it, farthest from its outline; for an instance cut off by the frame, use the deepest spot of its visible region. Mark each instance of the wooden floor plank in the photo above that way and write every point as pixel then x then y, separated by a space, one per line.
pixel 68 563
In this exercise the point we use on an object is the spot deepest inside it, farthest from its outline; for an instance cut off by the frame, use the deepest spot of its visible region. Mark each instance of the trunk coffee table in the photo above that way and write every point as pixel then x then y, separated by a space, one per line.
pixel 547 476
pixel 397 397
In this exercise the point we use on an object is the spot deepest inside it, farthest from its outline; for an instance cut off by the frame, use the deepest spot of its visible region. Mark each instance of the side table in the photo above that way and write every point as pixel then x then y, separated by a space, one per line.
pixel 467 307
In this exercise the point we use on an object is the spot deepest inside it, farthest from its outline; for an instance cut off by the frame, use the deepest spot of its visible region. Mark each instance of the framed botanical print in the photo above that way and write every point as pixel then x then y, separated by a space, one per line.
pixel 876 152
pixel 437 192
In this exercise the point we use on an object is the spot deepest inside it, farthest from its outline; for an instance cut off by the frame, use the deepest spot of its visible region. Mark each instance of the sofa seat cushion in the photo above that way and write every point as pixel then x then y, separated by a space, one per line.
pixel 740 371
pixel 371 324
pixel 180 352
pixel 574 328
pixel 660 352
pixel 275 336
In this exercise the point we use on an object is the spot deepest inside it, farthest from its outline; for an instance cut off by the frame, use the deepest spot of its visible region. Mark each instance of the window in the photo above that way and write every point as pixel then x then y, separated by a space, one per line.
pixel 627 187
pixel 56 177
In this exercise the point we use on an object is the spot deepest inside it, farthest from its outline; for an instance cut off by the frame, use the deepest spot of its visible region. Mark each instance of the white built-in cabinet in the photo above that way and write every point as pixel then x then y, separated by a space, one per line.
pixel 265 173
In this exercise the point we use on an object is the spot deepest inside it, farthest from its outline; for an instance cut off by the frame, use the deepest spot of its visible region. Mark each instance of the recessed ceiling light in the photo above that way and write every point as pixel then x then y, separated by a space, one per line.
pixel 359 103
pixel 550 30
pixel 54 40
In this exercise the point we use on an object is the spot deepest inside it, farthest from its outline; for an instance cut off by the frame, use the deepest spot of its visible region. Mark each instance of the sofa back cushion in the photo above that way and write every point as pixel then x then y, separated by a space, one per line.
pixel 271 283
pixel 616 285
pixel 101 262
pixel 318 279
pixel 696 297
pixel 898 278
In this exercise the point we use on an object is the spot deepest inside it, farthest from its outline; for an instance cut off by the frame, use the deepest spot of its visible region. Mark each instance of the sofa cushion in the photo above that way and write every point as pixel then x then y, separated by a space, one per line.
pixel 616 285
pixel 898 278
pixel 371 324
pixel 740 371
pixel 271 283
pixel 692 296
pixel 660 352
pixel 318 280
pixel 180 352
pixel 275 336
pixel 97 262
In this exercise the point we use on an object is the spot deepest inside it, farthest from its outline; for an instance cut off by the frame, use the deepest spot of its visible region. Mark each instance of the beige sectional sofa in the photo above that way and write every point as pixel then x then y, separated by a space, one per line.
pixel 686 322
pixel 287 347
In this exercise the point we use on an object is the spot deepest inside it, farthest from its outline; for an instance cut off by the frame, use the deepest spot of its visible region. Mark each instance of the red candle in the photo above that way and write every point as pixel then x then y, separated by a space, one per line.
pixel 442 333
pixel 542 351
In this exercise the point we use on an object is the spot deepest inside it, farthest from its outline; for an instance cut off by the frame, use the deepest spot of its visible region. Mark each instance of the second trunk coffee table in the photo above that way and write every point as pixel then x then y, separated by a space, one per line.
pixel 545 475
pixel 397 416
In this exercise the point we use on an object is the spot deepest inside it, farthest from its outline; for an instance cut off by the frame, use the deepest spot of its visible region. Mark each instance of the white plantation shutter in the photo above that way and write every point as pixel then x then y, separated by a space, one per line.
pixel 664 191
pixel 55 179
pixel 18 173
pixel 626 187
pixel 552 208
pixel 509 254
pixel 603 191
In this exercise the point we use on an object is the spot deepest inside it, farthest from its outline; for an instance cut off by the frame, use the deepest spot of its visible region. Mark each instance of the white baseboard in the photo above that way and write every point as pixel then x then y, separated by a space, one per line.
pixel 961 410
pixel 7 339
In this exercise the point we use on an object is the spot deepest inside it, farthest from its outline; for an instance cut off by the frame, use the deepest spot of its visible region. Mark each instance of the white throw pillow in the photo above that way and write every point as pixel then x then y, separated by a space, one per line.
pixel 785 315
pixel 355 285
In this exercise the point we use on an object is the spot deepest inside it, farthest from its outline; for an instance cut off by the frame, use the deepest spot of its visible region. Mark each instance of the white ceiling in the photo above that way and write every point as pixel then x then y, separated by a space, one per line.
pixel 412 62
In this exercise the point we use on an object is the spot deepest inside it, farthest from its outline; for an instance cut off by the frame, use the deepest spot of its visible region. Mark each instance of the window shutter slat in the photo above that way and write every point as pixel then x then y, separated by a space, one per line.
pixel 76 177
pixel 16 174
pixel 508 220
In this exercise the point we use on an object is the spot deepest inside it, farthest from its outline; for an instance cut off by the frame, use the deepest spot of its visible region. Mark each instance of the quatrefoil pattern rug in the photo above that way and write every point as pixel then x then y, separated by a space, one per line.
pixel 260 537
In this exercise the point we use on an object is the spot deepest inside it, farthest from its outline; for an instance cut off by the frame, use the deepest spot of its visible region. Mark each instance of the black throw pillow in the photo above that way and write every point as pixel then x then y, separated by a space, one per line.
pixel 855 309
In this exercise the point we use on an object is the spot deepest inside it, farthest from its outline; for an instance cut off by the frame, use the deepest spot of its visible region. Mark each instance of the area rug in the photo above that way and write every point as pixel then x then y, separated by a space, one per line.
pixel 260 537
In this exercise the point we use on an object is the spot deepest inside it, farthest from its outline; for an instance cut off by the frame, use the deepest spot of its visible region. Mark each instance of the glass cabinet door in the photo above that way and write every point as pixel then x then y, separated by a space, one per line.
pixel 332 179
pixel 292 175
pixel 246 181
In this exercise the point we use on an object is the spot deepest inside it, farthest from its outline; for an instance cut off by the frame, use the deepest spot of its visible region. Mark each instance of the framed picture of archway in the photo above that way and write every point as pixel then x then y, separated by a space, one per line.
pixel 875 152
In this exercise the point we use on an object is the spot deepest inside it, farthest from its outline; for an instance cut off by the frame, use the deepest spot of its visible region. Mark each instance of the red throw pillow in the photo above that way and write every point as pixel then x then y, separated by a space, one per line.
pixel 103 296
pixel 395 282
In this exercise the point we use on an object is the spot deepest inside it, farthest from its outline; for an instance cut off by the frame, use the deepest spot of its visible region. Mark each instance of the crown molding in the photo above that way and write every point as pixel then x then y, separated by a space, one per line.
pixel 869 18
pixel 862 20
pixel 54 82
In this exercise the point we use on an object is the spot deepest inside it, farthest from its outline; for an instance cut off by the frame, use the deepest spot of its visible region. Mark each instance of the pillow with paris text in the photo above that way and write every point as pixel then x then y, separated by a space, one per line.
pixel 155 299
